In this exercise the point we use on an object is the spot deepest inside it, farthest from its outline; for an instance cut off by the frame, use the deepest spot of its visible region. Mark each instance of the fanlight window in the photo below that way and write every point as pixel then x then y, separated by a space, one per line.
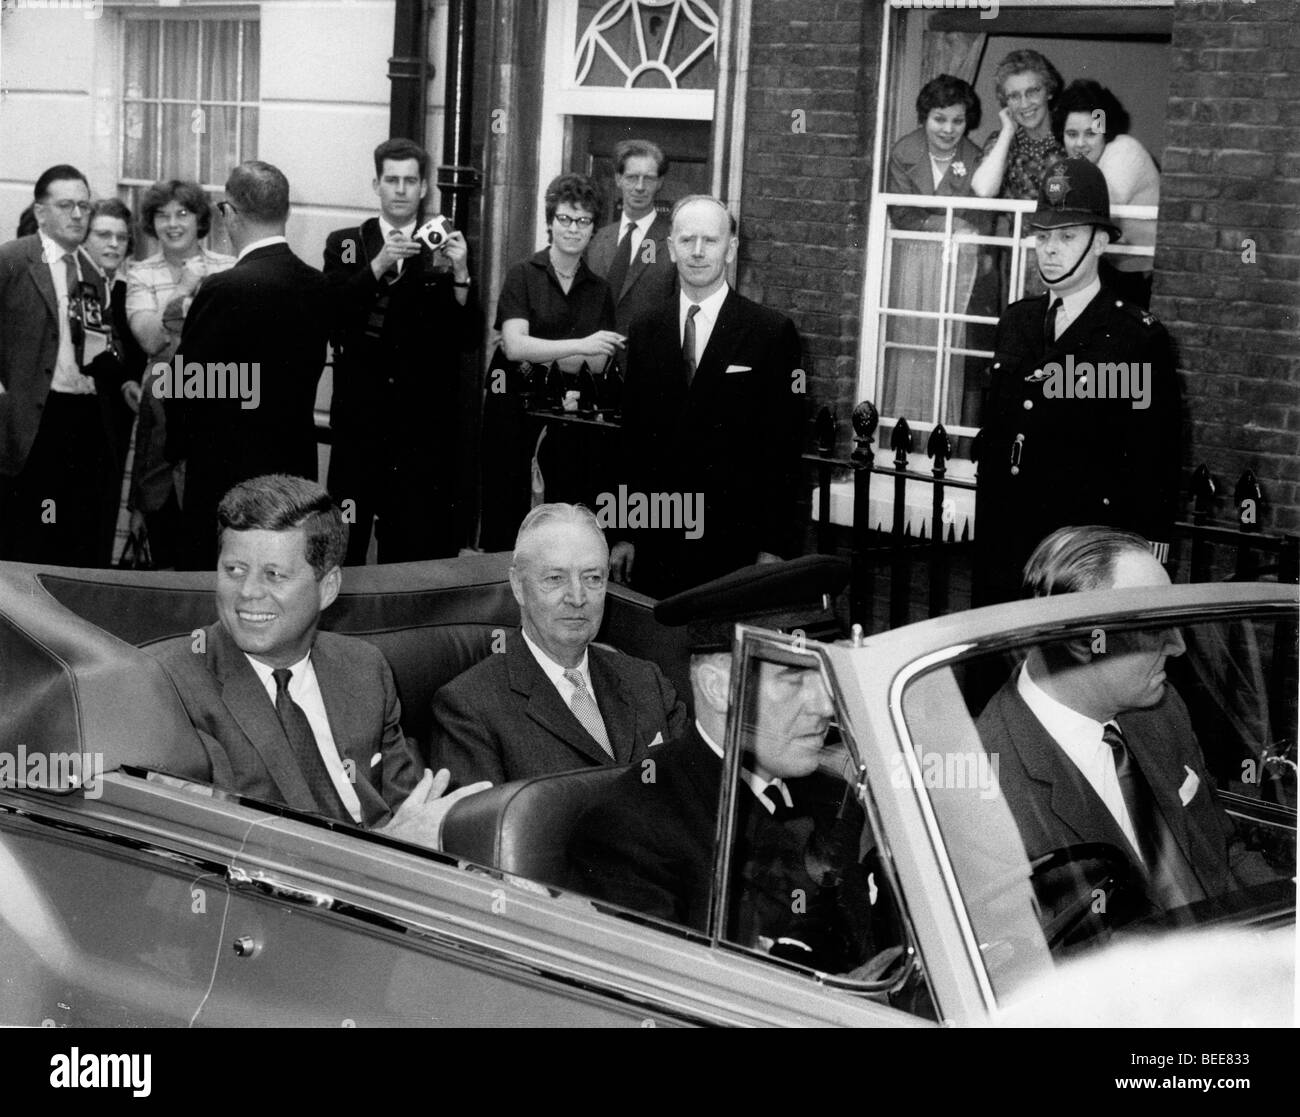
pixel 647 44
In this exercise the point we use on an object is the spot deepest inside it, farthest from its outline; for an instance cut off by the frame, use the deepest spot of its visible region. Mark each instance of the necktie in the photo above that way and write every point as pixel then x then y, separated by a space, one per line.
pixel 1049 324
pixel 688 342
pixel 585 709
pixel 780 812
pixel 618 269
pixel 305 750
pixel 1137 798
pixel 394 272
pixel 76 324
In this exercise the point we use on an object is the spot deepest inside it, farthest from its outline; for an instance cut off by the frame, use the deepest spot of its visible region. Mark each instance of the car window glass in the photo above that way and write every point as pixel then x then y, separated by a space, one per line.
pixel 1175 810
pixel 808 881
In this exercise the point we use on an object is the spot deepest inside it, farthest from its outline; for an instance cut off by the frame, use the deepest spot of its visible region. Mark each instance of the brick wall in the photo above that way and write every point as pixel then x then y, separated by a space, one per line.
pixel 806 185
pixel 1230 188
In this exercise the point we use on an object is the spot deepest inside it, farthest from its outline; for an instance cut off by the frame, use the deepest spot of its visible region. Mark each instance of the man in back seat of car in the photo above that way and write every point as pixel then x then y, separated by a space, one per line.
pixel 291 715
pixel 553 701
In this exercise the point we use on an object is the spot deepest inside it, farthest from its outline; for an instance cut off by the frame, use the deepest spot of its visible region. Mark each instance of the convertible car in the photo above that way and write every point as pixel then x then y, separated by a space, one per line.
pixel 133 892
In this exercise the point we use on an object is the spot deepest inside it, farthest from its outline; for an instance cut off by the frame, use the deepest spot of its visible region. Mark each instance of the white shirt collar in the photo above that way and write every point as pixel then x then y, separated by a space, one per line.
pixel 642 224
pixel 756 782
pixel 1072 305
pixel 52 251
pixel 263 243
pixel 265 671
pixel 709 307
pixel 388 229
pixel 554 671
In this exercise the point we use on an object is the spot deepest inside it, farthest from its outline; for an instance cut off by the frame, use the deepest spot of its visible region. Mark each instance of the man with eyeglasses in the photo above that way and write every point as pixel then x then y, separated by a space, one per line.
pixel 55 337
pixel 260 327
pixel 631 254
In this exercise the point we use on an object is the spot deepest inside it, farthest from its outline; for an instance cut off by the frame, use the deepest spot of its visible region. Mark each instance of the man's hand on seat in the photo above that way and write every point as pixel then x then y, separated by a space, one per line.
pixel 621 558
pixel 419 818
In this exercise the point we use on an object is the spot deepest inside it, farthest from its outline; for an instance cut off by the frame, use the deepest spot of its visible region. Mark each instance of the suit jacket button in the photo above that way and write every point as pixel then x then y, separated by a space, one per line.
pixel 1029 405
pixel 1106 501
pixel 1015 471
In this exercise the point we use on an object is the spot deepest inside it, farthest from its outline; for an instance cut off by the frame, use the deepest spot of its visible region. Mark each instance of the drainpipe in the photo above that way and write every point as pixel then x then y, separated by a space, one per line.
pixel 408 71
pixel 456 177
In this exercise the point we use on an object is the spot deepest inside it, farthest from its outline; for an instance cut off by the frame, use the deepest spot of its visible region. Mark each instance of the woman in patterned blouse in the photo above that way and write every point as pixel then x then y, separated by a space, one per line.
pixel 1017 157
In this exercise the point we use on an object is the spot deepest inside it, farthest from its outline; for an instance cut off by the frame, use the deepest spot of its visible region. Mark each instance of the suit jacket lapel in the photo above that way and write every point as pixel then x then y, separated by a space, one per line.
pixel 40 273
pixel 617 712
pixel 727 333
pixel 659 229
pixel 545 706
pixel 1151 751
pixel 347 701
pixel 251 707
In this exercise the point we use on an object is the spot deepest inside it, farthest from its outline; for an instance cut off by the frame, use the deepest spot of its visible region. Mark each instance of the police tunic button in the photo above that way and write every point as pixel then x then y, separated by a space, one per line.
pixel 1029 405
pixel 1119 302
pixel 1015 471
pixel 1106 501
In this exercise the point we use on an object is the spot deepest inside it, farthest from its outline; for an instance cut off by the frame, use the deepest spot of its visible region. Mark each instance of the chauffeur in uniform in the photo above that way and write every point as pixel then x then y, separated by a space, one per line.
pixel 1081 421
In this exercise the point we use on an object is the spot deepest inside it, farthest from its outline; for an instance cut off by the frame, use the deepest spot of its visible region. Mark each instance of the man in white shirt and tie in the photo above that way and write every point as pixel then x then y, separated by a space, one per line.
pixel 289 714
pixel 1093 743
pixel 631 254
pixel 714 409
pixel 54 439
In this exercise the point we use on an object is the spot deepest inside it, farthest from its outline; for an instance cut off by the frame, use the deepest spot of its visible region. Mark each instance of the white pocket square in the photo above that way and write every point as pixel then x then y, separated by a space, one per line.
pixel 1188 791
pixel 739 368
pixel 659 740
pixel 376 759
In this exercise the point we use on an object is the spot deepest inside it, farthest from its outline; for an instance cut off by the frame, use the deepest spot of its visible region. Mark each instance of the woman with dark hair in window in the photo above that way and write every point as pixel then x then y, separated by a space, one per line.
pixel 160 289
pixel 1018 155
pixel 1089 121
pixel 938 158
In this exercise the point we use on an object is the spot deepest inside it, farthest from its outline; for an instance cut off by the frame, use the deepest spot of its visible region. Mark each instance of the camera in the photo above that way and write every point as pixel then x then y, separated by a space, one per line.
pixel 433 233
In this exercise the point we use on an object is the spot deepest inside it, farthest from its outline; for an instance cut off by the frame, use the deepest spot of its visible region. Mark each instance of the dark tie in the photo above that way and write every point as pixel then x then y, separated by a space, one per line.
pixel 76 324
pixel 688 342
pixel 618 269
pixel 1049 324
pixel 305 750
pixel 1137 796
pixel 780 812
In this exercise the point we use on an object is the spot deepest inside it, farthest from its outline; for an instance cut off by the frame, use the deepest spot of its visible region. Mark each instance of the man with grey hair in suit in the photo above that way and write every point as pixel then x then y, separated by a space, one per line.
pixel 554 700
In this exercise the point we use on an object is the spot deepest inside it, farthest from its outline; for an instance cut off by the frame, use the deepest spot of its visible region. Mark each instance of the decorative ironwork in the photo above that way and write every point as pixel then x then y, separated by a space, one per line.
pixel 637 59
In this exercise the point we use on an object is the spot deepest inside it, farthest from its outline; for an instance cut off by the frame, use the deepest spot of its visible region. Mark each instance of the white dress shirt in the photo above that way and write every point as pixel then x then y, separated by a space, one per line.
pixel 67 375
pixel 305 690
pixel 705 320
pixel 555 672
pixel 1080 738
pixel 1072 305
pixel 263 243
pixel 640 227
pixel 757 784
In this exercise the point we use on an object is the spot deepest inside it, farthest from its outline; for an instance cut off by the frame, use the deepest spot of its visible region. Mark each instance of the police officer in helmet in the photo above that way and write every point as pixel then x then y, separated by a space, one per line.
pixel 1081 419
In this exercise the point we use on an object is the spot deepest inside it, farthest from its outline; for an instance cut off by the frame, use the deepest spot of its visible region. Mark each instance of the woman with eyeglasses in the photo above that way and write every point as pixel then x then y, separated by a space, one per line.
pixel 1017 156
pixel 160 289
pixel 553 309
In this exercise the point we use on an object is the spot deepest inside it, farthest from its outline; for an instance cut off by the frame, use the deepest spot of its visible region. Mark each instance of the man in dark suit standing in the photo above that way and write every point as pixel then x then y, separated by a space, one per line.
pixel 240 399
pixel 554 701
pixel 1096 746
pixel 289 714
pixel 401 315
pixel 1081 421
pixel 631 254
pixel 713 414
pixel 59 386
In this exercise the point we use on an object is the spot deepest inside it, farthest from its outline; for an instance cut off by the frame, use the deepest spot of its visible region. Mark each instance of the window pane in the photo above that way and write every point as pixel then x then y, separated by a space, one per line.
pixel 252 56
pixel 141 64
pixel 221 61
pixel 180 59
pixel 219 152
pixel 177 142
pixel 140 128
pixel 248 134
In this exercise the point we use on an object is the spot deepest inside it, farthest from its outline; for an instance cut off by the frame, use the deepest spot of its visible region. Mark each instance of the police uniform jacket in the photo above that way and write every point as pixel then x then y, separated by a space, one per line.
pixel 1050 456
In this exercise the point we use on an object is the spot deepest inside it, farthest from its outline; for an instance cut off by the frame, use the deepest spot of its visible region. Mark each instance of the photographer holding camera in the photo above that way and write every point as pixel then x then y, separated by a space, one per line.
pixel 403 307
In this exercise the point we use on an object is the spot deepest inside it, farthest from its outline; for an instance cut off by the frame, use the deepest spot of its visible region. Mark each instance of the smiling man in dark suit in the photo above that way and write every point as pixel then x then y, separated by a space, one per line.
pixel 553 700
pixel 259 328
pixel 1096 745
pixel 402 314
pixel 631 254
pixel 289 714
pixel 713 406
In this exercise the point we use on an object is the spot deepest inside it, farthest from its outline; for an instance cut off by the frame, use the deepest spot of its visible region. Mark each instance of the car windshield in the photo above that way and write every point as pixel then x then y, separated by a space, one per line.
pixel 1111 782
